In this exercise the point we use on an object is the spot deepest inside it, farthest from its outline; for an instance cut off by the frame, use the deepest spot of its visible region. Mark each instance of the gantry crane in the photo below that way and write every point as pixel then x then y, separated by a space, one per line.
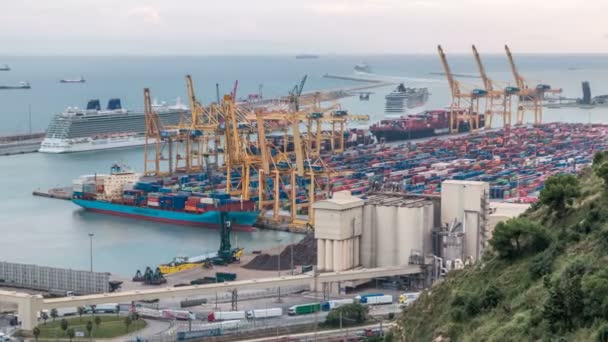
pixel 498 101
pixel 530 99
pixel 157 138
pixel 465 104
pixel 203 140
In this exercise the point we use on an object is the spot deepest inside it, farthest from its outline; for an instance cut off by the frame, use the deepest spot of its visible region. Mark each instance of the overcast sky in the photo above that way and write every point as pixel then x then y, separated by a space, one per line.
pixel 159 27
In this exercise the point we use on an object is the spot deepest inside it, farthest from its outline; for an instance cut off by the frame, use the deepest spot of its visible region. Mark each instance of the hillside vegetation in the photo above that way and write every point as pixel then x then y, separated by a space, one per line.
pixel 544 276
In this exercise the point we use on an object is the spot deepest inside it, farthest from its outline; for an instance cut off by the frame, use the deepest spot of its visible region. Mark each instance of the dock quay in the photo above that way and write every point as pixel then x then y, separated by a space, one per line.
pixel 353 78
pixel 64 193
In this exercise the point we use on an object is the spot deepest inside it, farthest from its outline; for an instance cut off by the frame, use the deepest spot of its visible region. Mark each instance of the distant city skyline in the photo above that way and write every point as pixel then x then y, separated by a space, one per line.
pixel 252 27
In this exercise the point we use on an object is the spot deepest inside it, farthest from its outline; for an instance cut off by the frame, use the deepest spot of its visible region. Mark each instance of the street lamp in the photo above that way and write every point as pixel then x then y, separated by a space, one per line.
pixel 91 249
pixel 279 270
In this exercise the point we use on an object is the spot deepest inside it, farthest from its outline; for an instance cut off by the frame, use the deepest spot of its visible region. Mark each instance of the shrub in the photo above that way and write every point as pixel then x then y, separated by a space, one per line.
pixel 541 264
pixel 491 297
pixel 602 333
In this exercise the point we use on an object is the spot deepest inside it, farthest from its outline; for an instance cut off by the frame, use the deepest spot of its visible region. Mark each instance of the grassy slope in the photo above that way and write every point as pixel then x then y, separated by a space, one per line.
pixel 111 326
pixel 518 317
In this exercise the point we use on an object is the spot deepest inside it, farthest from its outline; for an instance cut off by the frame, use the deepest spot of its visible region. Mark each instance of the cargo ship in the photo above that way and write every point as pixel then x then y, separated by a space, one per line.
pixel 77 130
pixel 80 80
pixel 426 124
pixel 5 67
pixel 122 193
pixel 21 85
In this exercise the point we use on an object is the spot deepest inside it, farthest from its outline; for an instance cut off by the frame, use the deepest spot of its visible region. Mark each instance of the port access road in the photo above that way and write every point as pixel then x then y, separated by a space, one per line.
pixel 29 305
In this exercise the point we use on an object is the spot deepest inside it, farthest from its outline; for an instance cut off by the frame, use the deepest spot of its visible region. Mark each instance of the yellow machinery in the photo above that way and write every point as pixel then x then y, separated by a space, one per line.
pixel 157 138
pixel 498 101
pixel 464 105
pixel 530 99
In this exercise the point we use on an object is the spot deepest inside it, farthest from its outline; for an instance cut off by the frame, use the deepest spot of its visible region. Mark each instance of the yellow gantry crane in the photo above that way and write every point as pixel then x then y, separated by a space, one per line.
pixel 530 99
pixel 154 141
pixel 465 104
pixel 498 101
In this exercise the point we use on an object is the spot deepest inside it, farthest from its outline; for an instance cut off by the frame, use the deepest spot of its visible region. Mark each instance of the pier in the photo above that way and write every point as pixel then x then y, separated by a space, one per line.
pixel 56 193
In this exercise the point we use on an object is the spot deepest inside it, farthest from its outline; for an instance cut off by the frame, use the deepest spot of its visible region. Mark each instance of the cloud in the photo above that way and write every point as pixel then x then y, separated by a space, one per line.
pixel 147 14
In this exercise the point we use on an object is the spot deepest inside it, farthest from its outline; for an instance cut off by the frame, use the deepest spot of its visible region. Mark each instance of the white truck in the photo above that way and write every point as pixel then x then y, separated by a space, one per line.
pixel 181 315
pixel 264 313
pixel 336 303
pixel 62 312
pixel 384 299
pixel 226 315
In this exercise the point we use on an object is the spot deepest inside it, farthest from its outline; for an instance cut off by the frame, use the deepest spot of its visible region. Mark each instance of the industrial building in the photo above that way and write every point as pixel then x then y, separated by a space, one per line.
pixel 392 229
pixel 51 278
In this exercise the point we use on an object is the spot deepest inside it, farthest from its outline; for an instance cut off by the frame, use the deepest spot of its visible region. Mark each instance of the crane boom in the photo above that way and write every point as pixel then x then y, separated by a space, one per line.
pixel 448 72
pixel 236 86
pixel 521 83
pixel 487 82
pixel 192 99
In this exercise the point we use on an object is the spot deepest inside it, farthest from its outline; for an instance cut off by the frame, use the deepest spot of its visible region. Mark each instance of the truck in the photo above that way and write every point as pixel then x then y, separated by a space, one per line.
pixel 62 312
pixel 384 299
pixel 408 298
pixel 103 308
pixel 61 293
pixel 180 315
pixel 264 313
pixel 304 309
pixel 332 304
pixel 226 315
pixel 148 313
pixel 360 297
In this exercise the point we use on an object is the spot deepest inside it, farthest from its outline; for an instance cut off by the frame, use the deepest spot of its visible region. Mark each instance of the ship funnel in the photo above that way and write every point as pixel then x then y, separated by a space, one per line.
pixel 114 104
pixel 93 105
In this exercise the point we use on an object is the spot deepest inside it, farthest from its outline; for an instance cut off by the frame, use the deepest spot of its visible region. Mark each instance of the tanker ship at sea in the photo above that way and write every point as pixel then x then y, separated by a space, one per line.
pixel 193 200
pixel 425 124
pixel 93 128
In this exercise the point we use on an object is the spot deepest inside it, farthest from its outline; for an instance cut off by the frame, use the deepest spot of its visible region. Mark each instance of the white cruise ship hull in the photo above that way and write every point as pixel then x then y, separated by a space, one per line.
pixel 54 145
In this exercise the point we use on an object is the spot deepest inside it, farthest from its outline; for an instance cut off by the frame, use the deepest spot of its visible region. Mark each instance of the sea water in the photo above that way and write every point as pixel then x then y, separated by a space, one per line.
pixel 55 233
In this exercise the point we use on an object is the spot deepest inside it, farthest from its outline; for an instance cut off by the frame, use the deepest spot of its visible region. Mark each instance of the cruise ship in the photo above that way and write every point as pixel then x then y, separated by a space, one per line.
pixel 403 98
pixel 94 128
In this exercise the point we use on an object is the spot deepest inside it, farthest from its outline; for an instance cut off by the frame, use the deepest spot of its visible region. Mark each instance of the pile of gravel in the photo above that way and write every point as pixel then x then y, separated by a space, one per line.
pixel 304 254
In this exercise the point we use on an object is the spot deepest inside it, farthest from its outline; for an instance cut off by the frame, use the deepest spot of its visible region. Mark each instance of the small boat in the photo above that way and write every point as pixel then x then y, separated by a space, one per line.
pixel 22 85
pixel 81 80
pixel 4 67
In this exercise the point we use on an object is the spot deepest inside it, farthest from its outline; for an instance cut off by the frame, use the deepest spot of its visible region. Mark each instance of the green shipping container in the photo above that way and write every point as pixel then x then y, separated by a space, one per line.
pixel 304 309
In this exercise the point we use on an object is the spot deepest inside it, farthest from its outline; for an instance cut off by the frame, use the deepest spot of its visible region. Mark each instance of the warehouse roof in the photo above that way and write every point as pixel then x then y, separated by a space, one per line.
pixel 341 200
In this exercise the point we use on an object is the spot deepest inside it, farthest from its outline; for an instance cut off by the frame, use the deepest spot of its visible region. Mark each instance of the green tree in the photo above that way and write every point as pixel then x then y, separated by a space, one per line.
pixel 36 333
pixel 54 314
pixel 97 321
pixel 81 312
pixel 128 322
pixel 559 193
pixel 518 236
pixel 599 158
pixel 89 327
pixel 602 172
pixel 351 314
pixel 44 317
pixel 64 325
pixel 71 334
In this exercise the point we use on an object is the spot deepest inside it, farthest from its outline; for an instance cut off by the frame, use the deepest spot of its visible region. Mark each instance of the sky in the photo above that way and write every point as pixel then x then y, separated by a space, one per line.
pixel 242 27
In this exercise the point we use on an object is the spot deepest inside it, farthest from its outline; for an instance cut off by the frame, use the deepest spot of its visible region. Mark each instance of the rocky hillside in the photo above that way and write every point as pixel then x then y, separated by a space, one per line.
pixel 544 277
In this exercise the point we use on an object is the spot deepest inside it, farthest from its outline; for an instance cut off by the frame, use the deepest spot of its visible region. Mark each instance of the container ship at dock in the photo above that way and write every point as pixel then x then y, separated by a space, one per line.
pixel 93 128
pixel 425 124
pixel 123 193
